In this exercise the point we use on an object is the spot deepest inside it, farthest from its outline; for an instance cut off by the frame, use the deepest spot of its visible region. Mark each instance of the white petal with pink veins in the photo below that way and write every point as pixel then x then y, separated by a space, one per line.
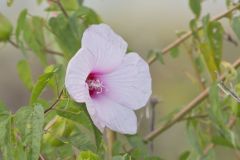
pixel 78 69
pixel 130 83
pixel 107 47
pixel 112 115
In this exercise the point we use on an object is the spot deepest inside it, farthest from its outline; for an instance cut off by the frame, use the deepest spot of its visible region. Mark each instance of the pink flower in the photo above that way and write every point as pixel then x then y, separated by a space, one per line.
pixel 110 82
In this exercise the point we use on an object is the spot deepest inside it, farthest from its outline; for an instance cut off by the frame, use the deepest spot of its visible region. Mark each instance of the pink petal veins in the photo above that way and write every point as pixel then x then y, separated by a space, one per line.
pixel 107 47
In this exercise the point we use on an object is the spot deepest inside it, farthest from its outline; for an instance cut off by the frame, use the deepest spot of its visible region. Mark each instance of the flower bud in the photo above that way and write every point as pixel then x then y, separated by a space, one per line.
pixel 5 28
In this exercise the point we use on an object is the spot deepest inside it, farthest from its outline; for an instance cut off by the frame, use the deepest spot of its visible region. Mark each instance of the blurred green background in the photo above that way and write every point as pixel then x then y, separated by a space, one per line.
pixel 145 25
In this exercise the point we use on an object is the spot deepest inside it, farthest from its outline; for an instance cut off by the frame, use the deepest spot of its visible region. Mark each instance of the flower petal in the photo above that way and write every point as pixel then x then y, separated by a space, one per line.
pixel 78 69
pixel 130 83
pixel 107 47
pixel 112 115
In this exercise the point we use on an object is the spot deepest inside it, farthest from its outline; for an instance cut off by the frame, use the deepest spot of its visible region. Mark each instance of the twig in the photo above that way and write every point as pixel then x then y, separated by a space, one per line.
pixel 153 103
pixel 185 110
pixel 61 7
pixel 54 103
pixel 41 157
pixel 45 50
pixel 189 33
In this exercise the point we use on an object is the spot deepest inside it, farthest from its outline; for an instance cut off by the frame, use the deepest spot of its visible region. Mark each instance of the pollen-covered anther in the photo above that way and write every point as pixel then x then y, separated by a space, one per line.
pixel 95 85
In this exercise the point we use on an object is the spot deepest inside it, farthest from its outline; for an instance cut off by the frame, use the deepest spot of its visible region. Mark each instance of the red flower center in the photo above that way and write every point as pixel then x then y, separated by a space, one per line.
pixel 95 85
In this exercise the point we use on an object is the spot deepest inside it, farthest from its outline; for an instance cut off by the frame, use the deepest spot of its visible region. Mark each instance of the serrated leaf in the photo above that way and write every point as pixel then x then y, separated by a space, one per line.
pixel 6 136
pixel 23 122
pixel 62 31
pixel 72 111
pixel 34 37
pixel 37 131
pixel 24 72
pixel 195 6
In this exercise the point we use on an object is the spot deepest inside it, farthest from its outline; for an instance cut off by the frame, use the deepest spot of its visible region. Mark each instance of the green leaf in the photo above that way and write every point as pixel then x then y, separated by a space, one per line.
pixel 3 109
pixel 88 15
pixel 194 137
pixel 215 35
pixel 23 122
pixel 209 59
pixel 7 134
pixel 34 37
pixel 223 142
pixel 21 23
pixel 9 3
pixel 37 131
pixel 41 84
pixel 174 52
pixel 97 133
pixel 236 25
pixel 153 158
pixel 5 28
pixel 70 4
pixel 195 6
pixel 185 155
pixel 139 148
pixel 118 158
pixel 194 28
pixel 156 54
pixel 62 30
pixel 24 72
pixel 87 155
pixel 73 111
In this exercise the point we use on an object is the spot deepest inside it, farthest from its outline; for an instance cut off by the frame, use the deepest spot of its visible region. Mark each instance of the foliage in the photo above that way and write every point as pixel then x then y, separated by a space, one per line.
pixel 58 128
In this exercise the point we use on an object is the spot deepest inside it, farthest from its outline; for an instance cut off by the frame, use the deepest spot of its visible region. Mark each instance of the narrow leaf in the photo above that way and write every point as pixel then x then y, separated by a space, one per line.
pixel 24 72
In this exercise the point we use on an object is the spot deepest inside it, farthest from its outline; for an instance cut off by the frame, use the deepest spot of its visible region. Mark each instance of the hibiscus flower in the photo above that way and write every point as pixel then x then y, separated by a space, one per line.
pixel 112 83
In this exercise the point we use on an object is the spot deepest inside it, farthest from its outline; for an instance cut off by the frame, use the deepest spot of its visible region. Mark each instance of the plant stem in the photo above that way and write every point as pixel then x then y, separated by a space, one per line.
pixel 45 50
pixel 185 110
pixel 111 137
pixel 54 103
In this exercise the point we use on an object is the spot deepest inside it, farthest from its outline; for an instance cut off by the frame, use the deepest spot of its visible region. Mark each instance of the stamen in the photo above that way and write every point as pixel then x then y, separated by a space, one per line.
pixel 95 85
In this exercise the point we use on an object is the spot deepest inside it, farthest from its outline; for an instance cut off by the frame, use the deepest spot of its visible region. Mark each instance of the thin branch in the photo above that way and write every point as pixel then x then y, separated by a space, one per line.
pixel 185 110
pixel 45 50
pixel 54 103
pixel 189 33
pixel 58 2
pixel 41 157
